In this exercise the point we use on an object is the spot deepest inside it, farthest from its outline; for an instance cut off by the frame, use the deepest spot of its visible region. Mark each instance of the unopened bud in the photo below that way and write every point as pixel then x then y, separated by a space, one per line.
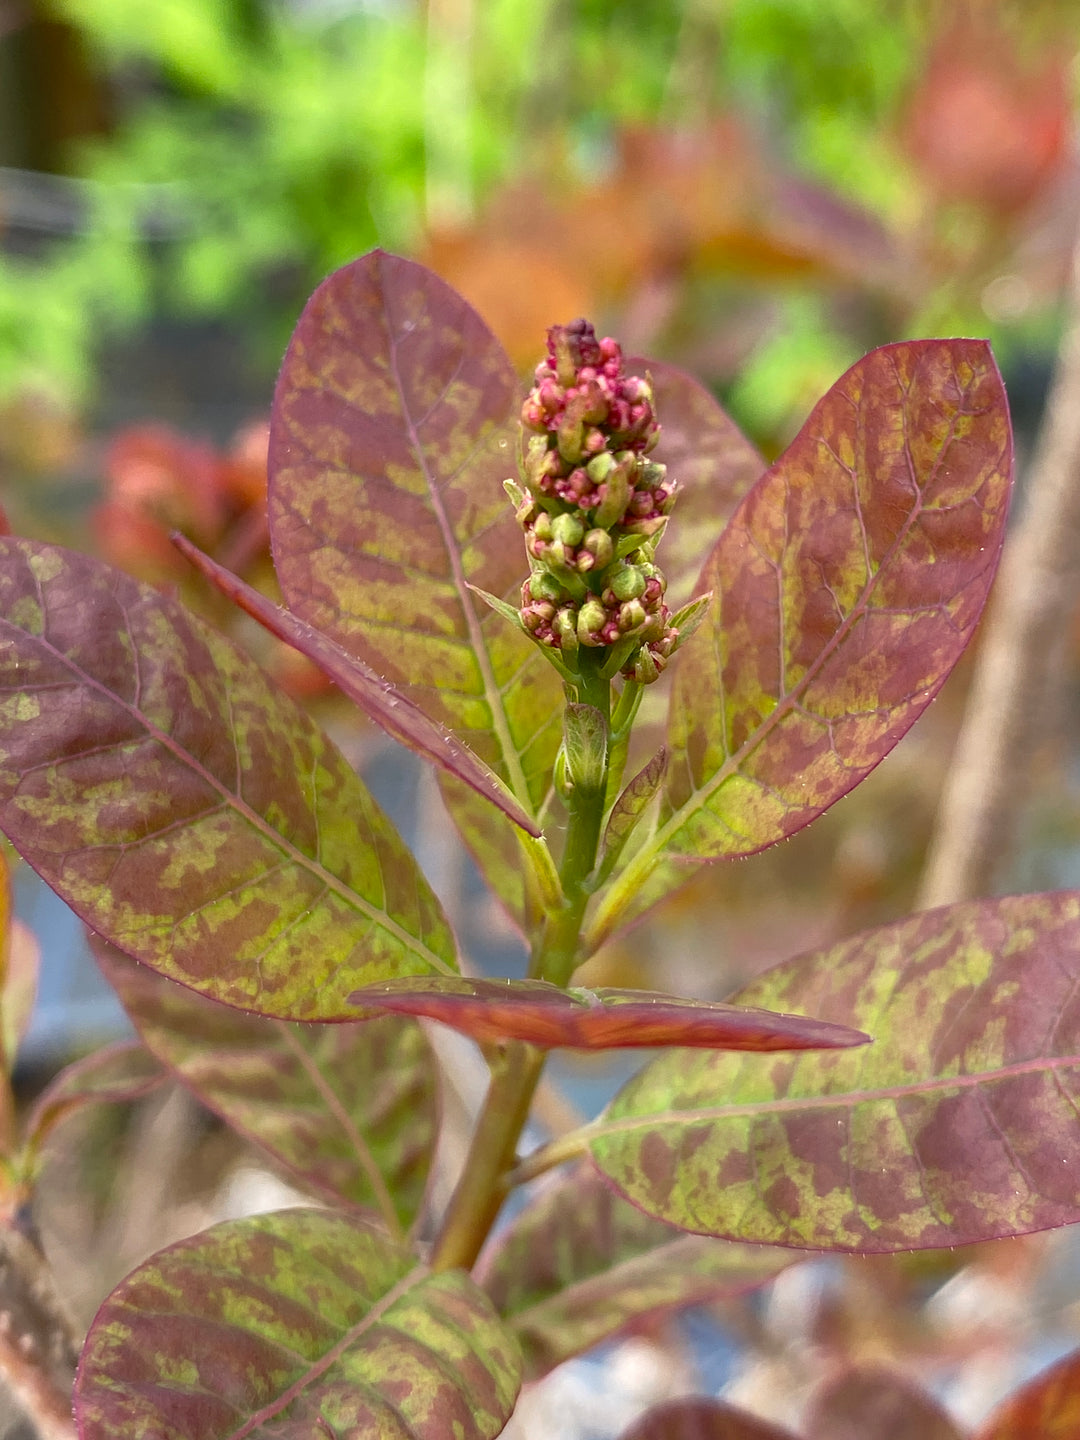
pixel 631 615
pixel 565 626
pixel 544 586
pixel 628 583
pixel 568 529
pixel 599 544
pixel 542 526
pixel 646 669
pixel 600 467
pixel 590 622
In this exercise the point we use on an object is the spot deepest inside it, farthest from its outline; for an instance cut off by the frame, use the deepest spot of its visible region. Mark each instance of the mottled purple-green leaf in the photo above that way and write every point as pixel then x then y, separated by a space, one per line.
pixel 957 1124
pixel 579 1264
pixel 294 1326
pixel 546 1016
pixel 847 585
pixel 1046 1408
pixel 393 428
pixel 188 810
pixel 379 700
pixel 872 1401
pixel 701 1419
pixel 122 1072
pixel 350 1111
pixel 713 462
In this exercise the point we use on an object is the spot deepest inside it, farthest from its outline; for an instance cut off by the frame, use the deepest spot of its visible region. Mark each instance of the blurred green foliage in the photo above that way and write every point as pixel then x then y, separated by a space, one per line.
pixel 257 144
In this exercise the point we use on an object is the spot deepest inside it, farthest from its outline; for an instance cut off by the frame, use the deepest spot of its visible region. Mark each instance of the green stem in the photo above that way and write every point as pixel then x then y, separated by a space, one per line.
pixel 493 1151
pixel 481 1189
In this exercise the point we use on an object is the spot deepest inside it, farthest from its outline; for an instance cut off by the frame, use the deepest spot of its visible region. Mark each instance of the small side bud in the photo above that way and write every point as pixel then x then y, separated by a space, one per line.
pixel 567 529
pixel 592 617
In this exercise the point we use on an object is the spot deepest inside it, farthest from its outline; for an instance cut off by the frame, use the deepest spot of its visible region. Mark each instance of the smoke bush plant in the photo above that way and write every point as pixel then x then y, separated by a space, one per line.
pixel 202 825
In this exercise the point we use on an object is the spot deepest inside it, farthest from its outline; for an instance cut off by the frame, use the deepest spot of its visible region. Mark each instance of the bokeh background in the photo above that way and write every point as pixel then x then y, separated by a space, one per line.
pixel 757 190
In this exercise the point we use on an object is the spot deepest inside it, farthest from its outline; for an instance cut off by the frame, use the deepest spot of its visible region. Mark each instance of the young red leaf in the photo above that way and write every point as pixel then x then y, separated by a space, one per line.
pixel 957 1124
pixel 546 1016
pixel 393 428
pixel 186 809
pixel 700 1419
pixel 350 1111
pixel 848 583
pixel 301 1324
pixel 379 700
pixel 872 1401
pixel 1046 1408
pixel 580 1263
pixel 711 459
pixel 122 1072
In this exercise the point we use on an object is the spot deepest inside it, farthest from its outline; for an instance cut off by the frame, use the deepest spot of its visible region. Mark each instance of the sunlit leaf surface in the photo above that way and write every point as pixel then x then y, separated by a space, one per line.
pixel 578 1264
pixel 547 1016
pixel 185 808
pixel 387 706
pixel 957 1124
pixel 848 583
pixel 294 1326
pixel 394 426
pixel 349 1110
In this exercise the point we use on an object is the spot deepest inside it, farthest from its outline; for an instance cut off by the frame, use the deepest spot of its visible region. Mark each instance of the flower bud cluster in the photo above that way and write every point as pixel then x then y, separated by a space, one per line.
pixel 595 506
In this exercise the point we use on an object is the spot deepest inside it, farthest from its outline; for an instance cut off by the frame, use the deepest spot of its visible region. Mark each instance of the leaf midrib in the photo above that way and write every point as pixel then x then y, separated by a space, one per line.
pixel 234 802
pixel 1040 1065
pixel 500 724
pixel 639 868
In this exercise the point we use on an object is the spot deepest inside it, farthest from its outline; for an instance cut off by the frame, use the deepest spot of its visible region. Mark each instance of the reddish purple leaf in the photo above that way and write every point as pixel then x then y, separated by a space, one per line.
pixel 188 810
pixel 545 1015
pixel 379 700
pixel 579 1264
pixel 298 1325
pixel 394 426
pixel 350 1111
pixel 1046 1408
pixel 957 1124
pixel 122 1072
pixel 700 1419
pixel 711 459
pixel 875 1402
pixel 848 583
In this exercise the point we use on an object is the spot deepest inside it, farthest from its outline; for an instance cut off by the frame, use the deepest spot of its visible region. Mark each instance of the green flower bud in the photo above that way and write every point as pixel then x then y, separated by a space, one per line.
pixel 646 669
pixel 592 617
pixel 542 526
pixel 600 467
pixel 565 626
pixel 631 615
pixel 599 544
pixel 628 584
pixel 544 586
pixel 568 529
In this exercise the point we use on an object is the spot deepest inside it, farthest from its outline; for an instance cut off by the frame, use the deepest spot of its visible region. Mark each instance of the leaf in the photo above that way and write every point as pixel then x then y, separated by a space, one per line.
pixel 874 1401
pixel 122 1072
pixel 349 1110
pixel 187 810
pixel 586 746
pixel 957 1124
pixel 378 699
pixel 629 808
pixel 578 1264
pixel 1047 1407
pixel 393 429
pixel 545 1015
pixel 848 583
pixel 700 1419
pixel 294 1325
pixel 711 459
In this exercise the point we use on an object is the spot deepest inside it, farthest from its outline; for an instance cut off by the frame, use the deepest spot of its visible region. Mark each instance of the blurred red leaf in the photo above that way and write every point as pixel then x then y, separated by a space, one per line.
pixel 545 1015
pixel 1046 1408
pixel 871 1401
